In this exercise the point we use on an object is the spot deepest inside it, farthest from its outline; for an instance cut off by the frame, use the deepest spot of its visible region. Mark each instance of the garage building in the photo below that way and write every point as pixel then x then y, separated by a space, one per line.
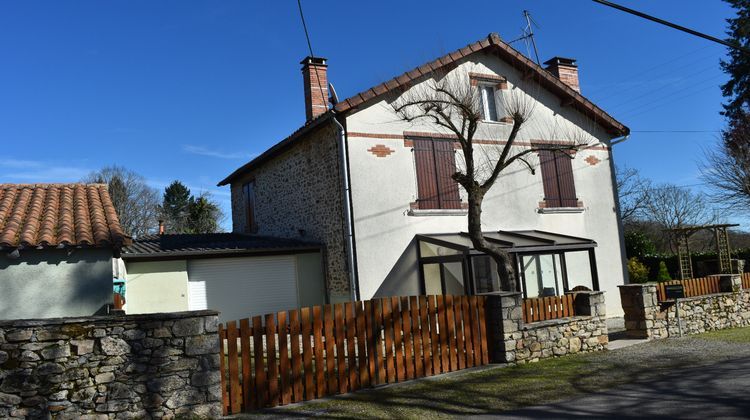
pixel 239 275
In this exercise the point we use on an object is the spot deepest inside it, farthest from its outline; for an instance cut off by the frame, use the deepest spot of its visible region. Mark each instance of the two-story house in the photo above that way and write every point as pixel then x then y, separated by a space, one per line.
pixel 377 191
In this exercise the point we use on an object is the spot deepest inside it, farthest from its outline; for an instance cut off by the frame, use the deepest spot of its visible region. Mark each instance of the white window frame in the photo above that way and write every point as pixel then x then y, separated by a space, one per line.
pixel 485 101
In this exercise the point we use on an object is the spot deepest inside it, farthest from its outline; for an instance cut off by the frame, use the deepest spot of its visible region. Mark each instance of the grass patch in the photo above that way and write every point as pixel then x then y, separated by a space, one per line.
pixel 732 335
pixel 474 392
pixel 500 388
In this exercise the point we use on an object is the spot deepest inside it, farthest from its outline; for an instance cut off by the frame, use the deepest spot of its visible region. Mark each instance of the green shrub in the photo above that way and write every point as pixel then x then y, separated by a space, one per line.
pixel 637 245
pixel 663 272
pixel 637 271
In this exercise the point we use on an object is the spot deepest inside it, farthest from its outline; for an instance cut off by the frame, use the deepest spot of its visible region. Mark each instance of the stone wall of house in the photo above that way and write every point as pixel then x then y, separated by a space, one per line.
pixel 299 195
pixel 517 341
pixel 646 317
pixel 136 366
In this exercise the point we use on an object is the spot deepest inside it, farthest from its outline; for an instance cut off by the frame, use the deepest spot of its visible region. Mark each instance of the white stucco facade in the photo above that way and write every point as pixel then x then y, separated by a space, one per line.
pixel 383 187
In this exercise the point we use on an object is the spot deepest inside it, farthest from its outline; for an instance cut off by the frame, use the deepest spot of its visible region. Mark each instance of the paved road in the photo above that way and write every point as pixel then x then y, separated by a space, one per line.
pixel 717 391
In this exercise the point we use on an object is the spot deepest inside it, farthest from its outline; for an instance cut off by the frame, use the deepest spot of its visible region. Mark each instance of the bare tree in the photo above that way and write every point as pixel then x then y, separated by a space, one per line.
pixel 136 203
pixel 727 168
pixel 671 206
pixel 451 103
pixel 633 191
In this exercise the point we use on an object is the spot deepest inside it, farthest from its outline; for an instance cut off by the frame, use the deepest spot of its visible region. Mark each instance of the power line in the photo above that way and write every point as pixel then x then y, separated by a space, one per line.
pixel 310 48
pixel 676 131
pixel 638 105
pixel 630 77
pixel 674 26
pixel 649 108
pixel 666 86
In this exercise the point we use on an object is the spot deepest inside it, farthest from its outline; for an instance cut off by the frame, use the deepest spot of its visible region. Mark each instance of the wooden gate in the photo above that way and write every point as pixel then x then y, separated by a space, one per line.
pixel 299 355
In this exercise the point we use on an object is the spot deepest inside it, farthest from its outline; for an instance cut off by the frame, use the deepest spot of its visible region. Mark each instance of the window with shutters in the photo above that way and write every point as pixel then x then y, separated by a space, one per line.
pixel 248 192
pixel 436 163
pixel 557 177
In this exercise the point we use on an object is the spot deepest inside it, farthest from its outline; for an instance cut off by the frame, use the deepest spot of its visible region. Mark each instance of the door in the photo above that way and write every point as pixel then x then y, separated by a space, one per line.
pixel 244 286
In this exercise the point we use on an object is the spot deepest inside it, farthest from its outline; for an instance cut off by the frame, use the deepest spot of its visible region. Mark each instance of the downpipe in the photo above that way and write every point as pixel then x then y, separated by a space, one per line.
pixel 347 210
pixel 616 197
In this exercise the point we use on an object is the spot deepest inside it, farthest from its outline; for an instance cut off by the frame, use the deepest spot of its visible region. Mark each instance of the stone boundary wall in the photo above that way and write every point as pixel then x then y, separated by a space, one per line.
pixel 646 317
pixel 135 366
pixel 516 341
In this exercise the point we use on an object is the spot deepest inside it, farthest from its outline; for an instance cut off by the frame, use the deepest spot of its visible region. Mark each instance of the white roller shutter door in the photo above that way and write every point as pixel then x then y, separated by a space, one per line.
pixel 244 286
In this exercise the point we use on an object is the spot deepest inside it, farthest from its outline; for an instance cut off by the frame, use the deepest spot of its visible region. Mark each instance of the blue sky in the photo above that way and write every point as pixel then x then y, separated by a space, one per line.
pixel 190 90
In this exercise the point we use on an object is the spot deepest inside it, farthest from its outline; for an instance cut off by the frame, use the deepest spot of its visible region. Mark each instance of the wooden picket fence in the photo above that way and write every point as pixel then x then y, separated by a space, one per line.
pixel 299 355
pixel 693 287
pixel 549 307
pixel 746 280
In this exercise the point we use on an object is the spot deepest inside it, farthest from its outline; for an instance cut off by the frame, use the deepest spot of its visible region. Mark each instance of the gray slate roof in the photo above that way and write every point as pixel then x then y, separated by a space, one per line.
pixel 171 246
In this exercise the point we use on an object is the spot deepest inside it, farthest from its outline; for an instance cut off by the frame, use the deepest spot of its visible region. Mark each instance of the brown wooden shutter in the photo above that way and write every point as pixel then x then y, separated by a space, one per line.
pixel 445 162
pixel 427 187
pixel 249 193
pixel 567 186
pixel 549 178
pixel 436 164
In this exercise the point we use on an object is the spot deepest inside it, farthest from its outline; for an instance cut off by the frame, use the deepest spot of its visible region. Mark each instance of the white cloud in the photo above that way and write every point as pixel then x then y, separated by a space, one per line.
pixel 19 163
pixel 204 151
pixel 37 171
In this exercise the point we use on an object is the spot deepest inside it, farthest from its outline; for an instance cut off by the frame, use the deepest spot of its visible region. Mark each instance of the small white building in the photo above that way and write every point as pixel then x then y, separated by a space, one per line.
pixel 377 192
pixel 239 275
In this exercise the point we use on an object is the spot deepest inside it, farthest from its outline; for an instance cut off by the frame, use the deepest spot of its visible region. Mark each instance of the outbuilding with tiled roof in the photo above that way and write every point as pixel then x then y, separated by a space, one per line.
pixel 57 243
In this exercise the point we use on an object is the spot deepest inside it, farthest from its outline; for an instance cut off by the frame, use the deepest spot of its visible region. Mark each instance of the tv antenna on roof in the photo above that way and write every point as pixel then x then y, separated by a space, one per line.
pixel 528 35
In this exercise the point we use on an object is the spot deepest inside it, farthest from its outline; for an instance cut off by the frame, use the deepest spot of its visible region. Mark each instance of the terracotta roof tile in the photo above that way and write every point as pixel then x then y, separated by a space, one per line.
pixel 38 215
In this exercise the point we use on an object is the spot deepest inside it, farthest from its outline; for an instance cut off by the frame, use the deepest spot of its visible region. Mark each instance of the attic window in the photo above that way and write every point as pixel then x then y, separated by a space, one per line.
pixel 489 103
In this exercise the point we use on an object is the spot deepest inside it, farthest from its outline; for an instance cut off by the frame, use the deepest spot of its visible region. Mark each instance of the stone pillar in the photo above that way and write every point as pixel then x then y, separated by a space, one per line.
pixel 504 317
pixel 643 316
pixel 590 304
pixel 729 283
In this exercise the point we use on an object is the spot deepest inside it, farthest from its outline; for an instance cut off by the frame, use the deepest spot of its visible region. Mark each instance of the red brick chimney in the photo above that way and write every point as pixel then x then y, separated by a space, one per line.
pixel 315 78
pixel 564 69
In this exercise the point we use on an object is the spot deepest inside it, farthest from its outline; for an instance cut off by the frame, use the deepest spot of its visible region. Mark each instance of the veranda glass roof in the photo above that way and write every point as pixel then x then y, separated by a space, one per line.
pixel 517 241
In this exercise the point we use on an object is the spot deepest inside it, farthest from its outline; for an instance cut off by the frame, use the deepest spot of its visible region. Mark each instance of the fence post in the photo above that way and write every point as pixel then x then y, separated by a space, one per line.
pixel 504 319
pixel 729 283
pixel 643 318
pixel 590 304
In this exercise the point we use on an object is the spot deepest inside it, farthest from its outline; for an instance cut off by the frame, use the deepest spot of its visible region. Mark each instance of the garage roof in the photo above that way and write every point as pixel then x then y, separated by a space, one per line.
pixel 179 246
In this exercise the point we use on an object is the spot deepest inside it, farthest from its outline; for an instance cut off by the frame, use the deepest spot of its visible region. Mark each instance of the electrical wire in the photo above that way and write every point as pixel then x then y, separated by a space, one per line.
pixel 649 69
pixel 666 86
pixel 310 48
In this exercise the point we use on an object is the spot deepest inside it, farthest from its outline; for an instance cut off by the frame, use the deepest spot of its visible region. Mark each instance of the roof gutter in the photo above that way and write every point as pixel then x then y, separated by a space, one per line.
pixel 348 219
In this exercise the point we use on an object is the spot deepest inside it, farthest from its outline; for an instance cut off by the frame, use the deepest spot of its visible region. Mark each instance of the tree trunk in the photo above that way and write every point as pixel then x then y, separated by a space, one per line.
pixel 502 258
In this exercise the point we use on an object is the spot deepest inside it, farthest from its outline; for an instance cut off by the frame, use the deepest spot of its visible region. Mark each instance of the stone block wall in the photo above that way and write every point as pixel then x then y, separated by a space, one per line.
pixel 136 366
pixel 513 340
pixel 646 317
pixel 299 194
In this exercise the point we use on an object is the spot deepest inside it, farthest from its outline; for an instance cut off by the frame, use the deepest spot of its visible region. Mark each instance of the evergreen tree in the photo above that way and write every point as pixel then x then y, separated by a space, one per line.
pixel 204 215
pixel 737 89
pixel 176 207
pixel 663 274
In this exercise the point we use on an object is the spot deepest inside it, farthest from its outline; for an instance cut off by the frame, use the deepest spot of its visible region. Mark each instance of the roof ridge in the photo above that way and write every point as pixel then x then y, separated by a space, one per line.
pixel 50 184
